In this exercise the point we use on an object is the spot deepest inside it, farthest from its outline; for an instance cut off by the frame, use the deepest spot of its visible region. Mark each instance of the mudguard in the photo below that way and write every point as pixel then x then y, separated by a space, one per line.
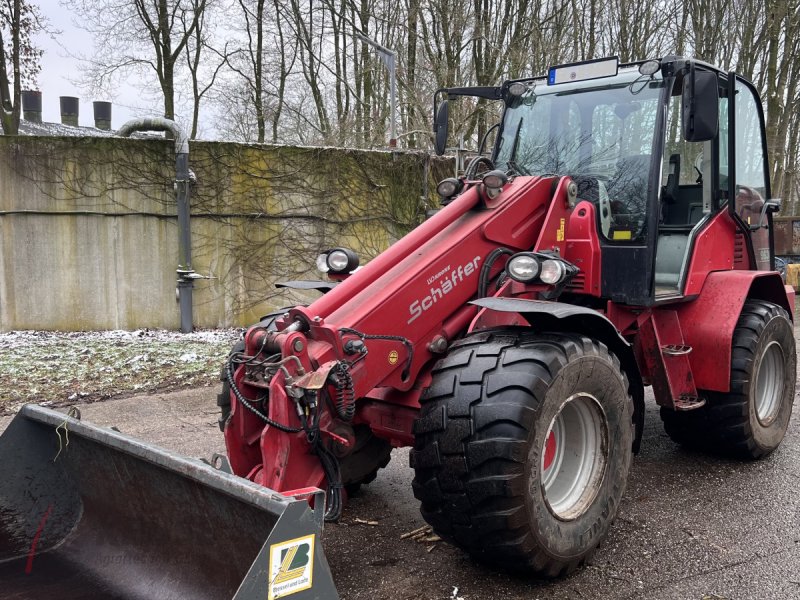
pixel 723 295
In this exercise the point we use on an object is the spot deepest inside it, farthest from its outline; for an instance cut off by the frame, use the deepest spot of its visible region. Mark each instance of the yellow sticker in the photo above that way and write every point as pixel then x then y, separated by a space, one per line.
pixel 291 567
pixel 393 357
pixel 560 231
pixel 622 235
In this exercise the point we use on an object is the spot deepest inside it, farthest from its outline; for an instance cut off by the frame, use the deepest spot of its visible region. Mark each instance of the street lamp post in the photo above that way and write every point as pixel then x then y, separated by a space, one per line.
pixel 389 59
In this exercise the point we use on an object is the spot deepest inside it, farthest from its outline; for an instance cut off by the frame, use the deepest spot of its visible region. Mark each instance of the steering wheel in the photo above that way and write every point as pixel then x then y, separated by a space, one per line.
pixel 471 172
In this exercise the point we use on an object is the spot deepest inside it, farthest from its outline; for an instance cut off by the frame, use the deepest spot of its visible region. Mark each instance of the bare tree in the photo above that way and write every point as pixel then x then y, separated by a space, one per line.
pixel 144 36
pixel 19 20
pixel 197 46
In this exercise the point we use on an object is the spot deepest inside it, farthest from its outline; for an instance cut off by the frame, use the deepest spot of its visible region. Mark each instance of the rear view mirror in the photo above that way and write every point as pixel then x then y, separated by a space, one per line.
pixel 440 128
pixel 700 105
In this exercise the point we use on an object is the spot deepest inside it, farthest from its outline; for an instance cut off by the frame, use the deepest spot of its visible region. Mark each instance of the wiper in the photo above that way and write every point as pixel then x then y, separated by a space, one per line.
pixel 512 159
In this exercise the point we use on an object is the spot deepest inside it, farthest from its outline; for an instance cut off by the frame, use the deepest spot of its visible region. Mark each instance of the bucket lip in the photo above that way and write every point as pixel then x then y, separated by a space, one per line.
pixel 193 469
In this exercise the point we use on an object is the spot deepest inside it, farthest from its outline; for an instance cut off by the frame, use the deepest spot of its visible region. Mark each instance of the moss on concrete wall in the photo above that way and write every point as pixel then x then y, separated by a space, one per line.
pixel 89 234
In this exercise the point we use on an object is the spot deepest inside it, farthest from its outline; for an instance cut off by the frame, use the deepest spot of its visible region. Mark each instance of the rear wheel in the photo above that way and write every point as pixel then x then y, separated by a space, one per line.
pixel 751 420
pixel 523 447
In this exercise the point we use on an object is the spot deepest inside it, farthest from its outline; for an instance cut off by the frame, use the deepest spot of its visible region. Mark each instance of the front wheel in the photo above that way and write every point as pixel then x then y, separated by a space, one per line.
pixel 523 448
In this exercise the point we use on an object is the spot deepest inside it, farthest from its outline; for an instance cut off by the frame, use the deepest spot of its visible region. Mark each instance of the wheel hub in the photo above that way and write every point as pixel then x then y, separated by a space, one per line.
pixel 769 383
pixel 574 456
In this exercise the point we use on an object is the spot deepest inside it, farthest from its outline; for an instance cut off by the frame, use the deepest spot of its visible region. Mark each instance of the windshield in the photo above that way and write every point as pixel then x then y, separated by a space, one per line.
pixel 598 132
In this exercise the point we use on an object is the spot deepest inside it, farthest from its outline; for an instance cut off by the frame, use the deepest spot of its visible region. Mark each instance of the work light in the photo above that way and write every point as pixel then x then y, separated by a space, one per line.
pixel 523 267
pixel 552 272
pixel 449 187
pixel 495 180
pixel 338 261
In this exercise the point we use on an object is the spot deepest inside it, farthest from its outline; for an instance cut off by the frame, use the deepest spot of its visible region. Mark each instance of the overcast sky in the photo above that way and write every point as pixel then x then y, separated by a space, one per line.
pixel 58 69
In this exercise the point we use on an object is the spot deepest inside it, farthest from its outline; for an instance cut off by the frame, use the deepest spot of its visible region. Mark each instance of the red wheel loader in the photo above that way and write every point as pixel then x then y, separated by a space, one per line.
pixel 618 236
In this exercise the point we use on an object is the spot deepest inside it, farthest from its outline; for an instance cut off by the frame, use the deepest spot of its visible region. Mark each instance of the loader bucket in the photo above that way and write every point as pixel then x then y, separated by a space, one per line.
pixel 87 512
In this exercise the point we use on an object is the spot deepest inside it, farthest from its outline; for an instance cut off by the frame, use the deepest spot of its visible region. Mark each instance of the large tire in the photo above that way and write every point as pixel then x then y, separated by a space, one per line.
pixel 751 420
pixel 488 476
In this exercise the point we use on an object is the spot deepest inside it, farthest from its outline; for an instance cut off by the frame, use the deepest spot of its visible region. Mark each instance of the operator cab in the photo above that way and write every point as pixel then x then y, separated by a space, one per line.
pixel 648 144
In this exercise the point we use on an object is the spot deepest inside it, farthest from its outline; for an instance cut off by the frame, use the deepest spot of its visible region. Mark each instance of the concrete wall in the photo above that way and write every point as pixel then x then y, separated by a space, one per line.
pixel 89 236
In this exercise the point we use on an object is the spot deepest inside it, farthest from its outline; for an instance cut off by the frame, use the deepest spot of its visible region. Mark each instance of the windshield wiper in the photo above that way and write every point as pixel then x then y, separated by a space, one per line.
pixel 512 159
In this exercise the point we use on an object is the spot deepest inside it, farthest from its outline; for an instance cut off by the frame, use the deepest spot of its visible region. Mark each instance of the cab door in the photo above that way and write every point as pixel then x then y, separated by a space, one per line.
pixel 748 174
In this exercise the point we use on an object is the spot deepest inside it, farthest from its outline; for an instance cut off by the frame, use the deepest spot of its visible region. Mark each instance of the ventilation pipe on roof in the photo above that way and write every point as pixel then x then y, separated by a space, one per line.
pixel 70 106
pixel 102 115
pixel 32 106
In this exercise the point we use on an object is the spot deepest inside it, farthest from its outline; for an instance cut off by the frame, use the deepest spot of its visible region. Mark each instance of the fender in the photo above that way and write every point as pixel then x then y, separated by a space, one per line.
pixel 723 295
pixel 559 316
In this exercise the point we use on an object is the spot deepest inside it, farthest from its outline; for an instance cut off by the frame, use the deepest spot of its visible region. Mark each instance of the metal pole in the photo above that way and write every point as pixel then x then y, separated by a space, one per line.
pixel 186 274
pixel 393 100
pixel 389 58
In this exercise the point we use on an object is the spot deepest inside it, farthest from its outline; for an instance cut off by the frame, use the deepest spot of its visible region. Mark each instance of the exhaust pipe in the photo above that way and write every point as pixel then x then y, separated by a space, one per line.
pixel 93 513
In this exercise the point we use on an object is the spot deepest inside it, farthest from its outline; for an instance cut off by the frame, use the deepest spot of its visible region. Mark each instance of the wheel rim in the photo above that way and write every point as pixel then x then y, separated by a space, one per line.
pixel 769 383
pixel 574 456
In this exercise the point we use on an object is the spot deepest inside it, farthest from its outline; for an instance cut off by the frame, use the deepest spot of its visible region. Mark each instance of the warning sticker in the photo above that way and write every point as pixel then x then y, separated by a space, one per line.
pixel 291 566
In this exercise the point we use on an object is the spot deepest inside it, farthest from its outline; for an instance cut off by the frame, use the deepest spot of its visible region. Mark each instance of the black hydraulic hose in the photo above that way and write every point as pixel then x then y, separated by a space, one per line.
pixel 329 462
pixel 393 338
pixel 345 394
pixel 486 270
pixel 246 403
pixel 330 466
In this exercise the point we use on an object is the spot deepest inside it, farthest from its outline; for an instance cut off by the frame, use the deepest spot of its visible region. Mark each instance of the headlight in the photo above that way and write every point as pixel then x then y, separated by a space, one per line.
pixel 523 267
pixel 449 187
pixel 552 272
pixel 495 180
pixel 338 260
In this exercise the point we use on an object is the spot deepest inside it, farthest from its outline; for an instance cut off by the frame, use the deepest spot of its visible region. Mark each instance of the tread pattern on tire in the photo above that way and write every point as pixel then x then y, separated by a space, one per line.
pixel 469 458
pixel 723 424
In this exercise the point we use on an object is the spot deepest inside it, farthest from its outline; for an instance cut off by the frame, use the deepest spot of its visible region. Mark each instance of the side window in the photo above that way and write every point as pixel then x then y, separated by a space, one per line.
pixel 751 182
pixel 686 183
pixel 749 143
